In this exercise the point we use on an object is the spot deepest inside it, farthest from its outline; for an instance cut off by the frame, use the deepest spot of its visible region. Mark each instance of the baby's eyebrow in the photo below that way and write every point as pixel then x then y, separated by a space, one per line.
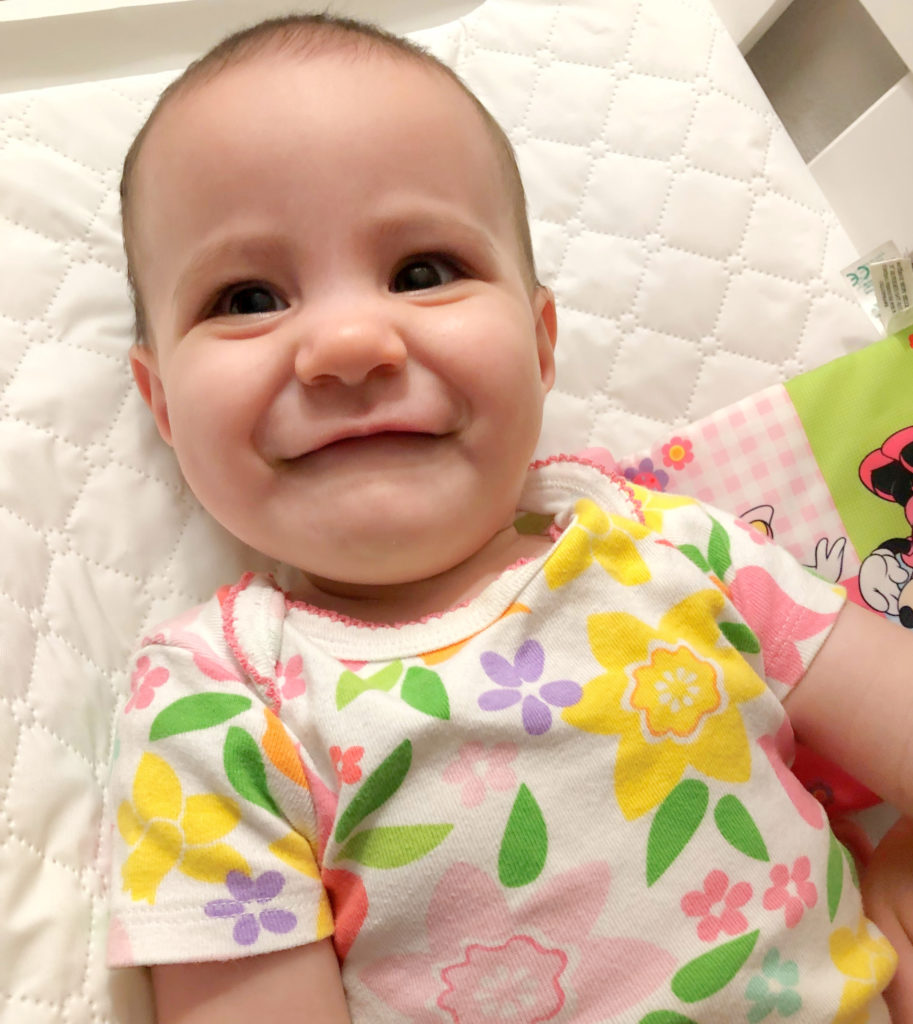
pixel 432 225
pixel 231 251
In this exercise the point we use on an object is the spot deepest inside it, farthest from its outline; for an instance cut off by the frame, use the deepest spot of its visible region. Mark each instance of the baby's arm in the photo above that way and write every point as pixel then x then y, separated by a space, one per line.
pixel 855 703
pixel 302 984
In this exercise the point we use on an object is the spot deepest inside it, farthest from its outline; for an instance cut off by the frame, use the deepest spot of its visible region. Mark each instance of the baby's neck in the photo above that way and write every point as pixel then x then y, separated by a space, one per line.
pixel 412 601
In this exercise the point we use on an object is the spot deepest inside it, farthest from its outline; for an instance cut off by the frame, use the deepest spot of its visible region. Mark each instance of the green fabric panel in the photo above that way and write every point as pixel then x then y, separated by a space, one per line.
pixel 848 407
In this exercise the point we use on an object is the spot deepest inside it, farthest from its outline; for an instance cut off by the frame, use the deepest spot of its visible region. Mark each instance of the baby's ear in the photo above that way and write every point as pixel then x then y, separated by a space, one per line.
pixel 546 333
pixel 144 365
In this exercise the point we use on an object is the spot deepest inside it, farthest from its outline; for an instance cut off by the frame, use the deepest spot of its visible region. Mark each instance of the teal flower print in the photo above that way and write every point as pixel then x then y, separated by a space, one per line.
pixel 774 989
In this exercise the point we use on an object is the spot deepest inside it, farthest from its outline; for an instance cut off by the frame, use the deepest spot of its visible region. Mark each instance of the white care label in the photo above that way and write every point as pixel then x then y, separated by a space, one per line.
pixel 859 274
pixel 893 281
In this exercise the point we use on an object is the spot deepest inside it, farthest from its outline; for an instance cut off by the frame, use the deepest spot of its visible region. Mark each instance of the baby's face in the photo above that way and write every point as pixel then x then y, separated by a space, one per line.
pixel 346 355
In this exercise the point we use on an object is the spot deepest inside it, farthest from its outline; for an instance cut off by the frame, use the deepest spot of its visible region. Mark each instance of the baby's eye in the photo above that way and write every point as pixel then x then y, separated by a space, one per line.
pixel 248 300
pixel 423 272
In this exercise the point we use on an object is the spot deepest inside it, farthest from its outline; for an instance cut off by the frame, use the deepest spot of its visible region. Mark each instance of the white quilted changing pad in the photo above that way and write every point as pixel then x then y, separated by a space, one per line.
pixel 694 262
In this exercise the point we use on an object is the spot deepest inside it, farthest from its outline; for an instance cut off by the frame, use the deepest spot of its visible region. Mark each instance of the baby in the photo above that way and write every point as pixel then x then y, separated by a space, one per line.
pixel 513 743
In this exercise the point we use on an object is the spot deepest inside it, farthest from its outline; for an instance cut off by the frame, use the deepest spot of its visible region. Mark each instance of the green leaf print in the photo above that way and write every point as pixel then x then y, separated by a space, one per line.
pixel 245 770
pixel 834 877
pixel 377 788
pixel 524 845
pixel 710 972
pixel 741 637
pixel 718 550
pixel 674 823
pixel 738 828
pixel 199 711
pixel 666 1017
pixel 393 846
pixel 692 553
pixel 351 686
pixel 424 691
pixel 850 865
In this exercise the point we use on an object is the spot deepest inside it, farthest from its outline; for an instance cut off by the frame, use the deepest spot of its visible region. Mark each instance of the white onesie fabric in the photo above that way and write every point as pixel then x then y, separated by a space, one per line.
pixel 566 800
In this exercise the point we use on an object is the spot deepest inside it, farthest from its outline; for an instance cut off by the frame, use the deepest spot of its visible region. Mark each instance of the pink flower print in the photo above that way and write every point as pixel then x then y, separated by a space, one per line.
pixel 478 948
pixel 527 667
pixel 716 890
pixel 345 763
pixel 143 683
pixel 294 682
pixel 778 896
pixel 648 475
pixel 476 769
pixel 678 453
pixel 516 981
pixel 758 523
pixel 766 607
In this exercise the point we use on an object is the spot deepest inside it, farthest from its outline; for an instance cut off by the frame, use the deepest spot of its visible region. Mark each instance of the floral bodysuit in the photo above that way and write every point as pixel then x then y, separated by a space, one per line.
pixel 568 800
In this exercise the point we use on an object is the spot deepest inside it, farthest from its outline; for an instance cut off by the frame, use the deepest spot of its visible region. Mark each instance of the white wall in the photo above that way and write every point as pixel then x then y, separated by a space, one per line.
pixel 53 42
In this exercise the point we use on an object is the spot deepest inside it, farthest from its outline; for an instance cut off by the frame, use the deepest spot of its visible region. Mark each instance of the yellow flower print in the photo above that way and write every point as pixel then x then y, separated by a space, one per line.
pixel 294 850
pixel 674 690
pixel 654 503
pixel 671 694
pixel 607 539
pixel 868 962
pixel 167 830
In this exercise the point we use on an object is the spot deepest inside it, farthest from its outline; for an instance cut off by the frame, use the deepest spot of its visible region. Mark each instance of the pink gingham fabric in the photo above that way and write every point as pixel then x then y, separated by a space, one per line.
pixel 752 453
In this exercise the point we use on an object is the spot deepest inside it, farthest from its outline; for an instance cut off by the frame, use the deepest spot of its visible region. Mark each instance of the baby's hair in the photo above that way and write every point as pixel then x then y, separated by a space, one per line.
pixel 306 35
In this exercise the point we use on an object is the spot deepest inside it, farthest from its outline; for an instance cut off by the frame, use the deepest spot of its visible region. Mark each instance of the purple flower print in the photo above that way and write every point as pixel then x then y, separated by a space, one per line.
pixel 246 890
pixel 527 667
pixel 648 475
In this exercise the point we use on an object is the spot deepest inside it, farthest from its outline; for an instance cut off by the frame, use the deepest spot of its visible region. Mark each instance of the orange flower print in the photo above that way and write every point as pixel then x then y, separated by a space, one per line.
pixel 678 453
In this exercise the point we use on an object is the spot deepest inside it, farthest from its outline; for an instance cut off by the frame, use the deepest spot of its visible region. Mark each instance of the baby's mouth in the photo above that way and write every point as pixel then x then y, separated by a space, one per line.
pixel 374 442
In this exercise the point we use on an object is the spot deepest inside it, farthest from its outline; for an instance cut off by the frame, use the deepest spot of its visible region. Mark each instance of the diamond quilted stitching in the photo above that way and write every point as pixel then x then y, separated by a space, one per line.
pixel 516 27
pixel 22 578
pixel 728 138
pixel 59 709
pixel 802 252
pixel 654 106
pixel 139 512
pixel 29 281
pixel 554 197
pixel 56 825
pixel 666 302
pixel 77 392
pixel 697 198
pixel 30 452
pixel 43 194
pixel 727 371
pixel 504 84
pixel 81 602
pixel 626 195
pixel 601 274
pixel 683 56
pixel 585 36
pixel 641 370
pixel 650 117
pixel 781 307
pixel 39 954
pixel 551 116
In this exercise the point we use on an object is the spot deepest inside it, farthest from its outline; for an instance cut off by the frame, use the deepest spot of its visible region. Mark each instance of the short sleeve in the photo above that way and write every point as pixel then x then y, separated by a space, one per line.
pixel 787 607
pixel 213 838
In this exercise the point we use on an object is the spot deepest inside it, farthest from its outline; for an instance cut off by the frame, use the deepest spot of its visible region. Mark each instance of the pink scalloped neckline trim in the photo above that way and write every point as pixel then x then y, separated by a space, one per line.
pixel 347 620
pixel 554 533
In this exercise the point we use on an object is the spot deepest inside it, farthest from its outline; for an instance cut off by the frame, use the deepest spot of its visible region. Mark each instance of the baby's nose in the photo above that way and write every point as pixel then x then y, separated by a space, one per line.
pixel 347 348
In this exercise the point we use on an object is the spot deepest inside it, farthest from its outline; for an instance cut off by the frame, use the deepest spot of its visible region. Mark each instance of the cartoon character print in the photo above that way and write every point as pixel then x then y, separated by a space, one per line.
pixel 886 575
pixel 827 561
